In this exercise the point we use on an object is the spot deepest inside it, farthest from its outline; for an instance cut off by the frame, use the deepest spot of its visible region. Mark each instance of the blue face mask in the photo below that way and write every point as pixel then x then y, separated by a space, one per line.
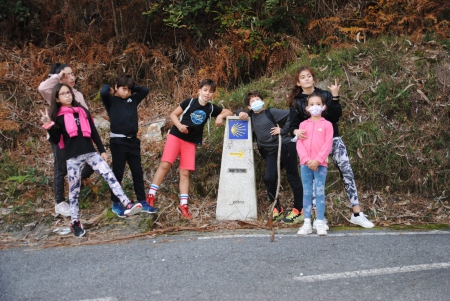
pixel 257 105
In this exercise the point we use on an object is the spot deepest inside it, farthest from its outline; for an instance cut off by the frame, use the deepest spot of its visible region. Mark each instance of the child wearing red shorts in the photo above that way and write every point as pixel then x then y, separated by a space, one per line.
pixel 188 119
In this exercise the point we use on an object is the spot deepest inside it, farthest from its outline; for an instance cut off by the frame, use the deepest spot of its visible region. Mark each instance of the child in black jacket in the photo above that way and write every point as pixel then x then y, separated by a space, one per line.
pixel 121 104
pixel 298 99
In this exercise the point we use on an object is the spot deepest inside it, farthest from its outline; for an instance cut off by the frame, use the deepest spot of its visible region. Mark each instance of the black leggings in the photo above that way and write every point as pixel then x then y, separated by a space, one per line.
pixel 288 161
pixel 123 151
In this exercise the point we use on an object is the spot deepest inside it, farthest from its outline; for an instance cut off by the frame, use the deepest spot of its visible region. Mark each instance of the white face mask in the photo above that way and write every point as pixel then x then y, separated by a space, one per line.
pixel 316 110
pixel 257 105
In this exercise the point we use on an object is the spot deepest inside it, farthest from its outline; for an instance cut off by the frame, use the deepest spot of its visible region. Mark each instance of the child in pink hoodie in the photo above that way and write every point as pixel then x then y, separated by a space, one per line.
pixel 313 152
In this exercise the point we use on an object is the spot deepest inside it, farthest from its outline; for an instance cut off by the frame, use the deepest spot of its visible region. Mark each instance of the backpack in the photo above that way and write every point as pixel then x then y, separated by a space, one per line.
pixel 269 115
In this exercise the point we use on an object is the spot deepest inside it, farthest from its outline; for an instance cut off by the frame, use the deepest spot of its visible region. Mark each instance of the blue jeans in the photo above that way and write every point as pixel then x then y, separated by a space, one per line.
pixel 319 178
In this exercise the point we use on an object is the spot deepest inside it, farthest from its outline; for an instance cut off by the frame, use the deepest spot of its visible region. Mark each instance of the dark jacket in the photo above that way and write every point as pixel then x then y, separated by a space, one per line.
pixel 123 112
pixel 263 122
pixel 299 114
pixel 77 145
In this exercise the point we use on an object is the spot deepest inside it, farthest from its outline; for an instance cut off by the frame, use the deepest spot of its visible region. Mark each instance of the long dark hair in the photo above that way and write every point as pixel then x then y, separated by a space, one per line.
pixel 55 106
pixel 296 90
pixel 57 67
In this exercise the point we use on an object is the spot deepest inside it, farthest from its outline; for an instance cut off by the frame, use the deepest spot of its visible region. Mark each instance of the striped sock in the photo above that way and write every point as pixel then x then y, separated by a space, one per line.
pixel 184 199
pixel 153 189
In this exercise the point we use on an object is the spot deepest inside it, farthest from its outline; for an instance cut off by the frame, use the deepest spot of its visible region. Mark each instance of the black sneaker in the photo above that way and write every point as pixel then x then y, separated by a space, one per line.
pixel 77 229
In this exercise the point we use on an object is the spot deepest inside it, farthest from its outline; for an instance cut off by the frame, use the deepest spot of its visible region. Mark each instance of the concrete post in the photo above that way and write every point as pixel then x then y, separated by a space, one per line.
pixel 236 198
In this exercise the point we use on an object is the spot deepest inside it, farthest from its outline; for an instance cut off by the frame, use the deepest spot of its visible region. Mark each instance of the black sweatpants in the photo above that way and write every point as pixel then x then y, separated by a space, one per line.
pixel 288 161
pixel 128 150
pixel 60 172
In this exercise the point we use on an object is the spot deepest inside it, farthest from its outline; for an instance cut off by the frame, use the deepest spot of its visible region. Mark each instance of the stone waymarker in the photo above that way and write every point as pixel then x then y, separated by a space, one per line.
pixel 236 198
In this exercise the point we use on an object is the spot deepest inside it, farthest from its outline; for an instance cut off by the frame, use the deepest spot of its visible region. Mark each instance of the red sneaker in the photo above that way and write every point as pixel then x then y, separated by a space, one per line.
pixel 184 211
pixel 150 199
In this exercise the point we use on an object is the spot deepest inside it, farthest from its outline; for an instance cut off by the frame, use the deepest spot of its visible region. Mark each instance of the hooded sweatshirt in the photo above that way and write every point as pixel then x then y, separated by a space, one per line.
pixel 299 114
pixel 317 145
pixel 46 88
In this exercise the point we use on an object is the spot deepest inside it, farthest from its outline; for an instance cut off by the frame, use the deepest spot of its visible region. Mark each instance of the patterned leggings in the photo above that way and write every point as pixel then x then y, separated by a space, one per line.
pixel 74 166
pixel 342 162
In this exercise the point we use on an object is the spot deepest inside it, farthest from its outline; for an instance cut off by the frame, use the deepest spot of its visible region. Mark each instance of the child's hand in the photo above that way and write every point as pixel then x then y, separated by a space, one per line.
pixel 275 131
pixel 111 91
pixel 313 165
pixel 219 121
pixel 301 134
pixel 104 156
pixel 243 116
pixel 45 118
pixel 183 128
pixel 334 88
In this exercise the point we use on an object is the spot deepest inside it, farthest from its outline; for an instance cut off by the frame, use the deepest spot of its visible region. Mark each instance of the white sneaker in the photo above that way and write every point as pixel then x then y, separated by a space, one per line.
pixel 324 221
pixel 62 208
pixel 305 229
pixel 321 228
pixel 361 220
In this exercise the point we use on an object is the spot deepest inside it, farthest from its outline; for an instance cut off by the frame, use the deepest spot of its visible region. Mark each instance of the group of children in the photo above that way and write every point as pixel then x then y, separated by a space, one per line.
pixel 309 128
pixel 72 134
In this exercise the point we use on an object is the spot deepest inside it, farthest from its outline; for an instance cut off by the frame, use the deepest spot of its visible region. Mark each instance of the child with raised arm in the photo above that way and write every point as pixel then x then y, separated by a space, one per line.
pixel 188 120
pixel 61 73
pixel 264 123
pixel 304 86
pixel 121 103
pixel 313 152
pixel 71 127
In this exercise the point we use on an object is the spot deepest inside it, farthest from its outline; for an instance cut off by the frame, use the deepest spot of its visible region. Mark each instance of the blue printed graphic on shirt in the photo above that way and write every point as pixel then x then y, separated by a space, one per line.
pixel 198 117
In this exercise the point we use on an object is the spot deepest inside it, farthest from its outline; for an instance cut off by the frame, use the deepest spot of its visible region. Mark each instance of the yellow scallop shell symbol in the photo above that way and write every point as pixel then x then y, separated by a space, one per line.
pixel 238 129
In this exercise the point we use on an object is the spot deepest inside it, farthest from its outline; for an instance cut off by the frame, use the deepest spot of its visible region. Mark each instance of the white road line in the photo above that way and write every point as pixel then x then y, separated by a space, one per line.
pixel 101 299
pixel 352 234
pixel 374 272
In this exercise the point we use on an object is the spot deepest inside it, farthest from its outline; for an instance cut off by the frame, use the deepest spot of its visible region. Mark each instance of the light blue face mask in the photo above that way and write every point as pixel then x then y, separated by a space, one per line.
pixel 257 105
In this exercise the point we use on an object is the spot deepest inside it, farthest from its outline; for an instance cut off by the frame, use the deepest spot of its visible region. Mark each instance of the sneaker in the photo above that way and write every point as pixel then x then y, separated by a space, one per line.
pixel 293 217
pixel 361 220
pixel 150 199
pixel 305 229
pixel 118 209
pixel 277 215
pixel 132 208
pixel 62 208
pixel 184 211
pixel 77 228
pixel 325 223
pixel 321 228
pixel 146 208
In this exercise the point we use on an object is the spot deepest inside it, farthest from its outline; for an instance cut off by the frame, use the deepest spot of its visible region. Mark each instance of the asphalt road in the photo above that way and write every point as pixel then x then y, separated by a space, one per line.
pixel 359 265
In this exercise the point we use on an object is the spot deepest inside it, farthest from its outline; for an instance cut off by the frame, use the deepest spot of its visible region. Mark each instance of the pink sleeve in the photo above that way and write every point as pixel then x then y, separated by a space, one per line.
pixel 46 87
pixel 301 150
pixel 328 144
